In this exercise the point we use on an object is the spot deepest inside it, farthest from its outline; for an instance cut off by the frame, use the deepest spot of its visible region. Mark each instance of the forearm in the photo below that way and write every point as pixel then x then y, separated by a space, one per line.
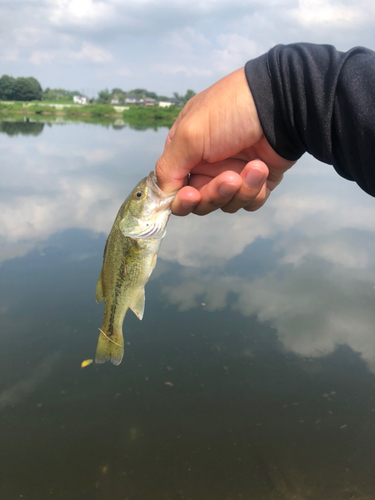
pixel 313 98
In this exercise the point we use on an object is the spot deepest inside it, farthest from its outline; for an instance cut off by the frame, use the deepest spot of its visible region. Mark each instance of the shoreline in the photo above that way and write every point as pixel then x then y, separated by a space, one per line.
pixel 134 116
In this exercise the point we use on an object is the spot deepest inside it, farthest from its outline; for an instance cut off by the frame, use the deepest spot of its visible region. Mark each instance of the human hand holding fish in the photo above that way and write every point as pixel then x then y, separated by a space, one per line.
pixel 217 154
pixel 129 258
pixel 214 147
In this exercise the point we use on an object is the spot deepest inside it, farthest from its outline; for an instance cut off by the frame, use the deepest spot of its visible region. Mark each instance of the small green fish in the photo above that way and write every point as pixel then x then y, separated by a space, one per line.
pixel 129 258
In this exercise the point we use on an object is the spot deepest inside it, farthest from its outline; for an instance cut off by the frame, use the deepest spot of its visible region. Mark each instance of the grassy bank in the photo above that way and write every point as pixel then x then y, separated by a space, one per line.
pixel 137 116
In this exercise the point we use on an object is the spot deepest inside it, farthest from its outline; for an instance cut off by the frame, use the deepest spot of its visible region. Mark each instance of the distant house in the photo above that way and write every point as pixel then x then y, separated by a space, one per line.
pixel 170 102
pixel 131 99
pixel 176 102
pixel 80 99
pixel 149 101
pixel 165 104
pixel 115 100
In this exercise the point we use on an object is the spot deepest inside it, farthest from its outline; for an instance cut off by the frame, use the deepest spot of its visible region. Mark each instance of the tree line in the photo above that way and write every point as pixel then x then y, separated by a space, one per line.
pixel 20 89
pixel 105 96
pixel 29 89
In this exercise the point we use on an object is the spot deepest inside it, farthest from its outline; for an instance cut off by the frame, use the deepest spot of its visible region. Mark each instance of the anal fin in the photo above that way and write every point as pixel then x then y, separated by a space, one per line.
pixel 138 306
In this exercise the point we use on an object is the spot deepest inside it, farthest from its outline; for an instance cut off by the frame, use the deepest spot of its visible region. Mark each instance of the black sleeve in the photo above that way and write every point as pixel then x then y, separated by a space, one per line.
pixel 314 98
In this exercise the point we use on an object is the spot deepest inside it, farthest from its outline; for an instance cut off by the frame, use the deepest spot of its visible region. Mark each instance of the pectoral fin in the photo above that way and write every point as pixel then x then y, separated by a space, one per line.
pixel 138 307
pixel 99 290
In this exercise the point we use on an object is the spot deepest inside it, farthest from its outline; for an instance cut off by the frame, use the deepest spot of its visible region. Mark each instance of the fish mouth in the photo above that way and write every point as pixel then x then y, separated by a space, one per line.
pixel 162 200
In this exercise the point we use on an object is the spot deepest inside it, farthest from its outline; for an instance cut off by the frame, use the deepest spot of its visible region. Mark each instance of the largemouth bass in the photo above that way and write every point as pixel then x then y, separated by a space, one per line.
pixel 129 258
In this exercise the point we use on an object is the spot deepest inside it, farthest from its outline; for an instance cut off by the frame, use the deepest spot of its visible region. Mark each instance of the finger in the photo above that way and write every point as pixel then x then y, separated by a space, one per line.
pixel 217 192
pixel 183 152
pixel 215 168
pixel 260 200
pixel 252 193
pixel 173 129
pixel 186 200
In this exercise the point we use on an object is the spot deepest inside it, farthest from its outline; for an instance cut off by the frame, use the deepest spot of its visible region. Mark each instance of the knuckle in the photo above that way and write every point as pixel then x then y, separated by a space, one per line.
pixel 161 167
pixel 187 132
pixel 253 207
pixel 228 209
pixel 203 210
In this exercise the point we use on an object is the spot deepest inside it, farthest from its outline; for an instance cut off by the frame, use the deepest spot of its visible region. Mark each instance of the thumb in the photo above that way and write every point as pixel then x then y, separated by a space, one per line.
pixel 181 154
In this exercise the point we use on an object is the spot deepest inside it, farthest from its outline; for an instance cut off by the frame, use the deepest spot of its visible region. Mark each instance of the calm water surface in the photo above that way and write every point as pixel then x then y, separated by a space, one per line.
pixel 250 377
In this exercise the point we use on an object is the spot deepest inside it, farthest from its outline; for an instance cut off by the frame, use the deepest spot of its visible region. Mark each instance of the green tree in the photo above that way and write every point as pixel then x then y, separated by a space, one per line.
pixel 33 89
pixel 140 93
pixel 104 96
pixel 153 95
pixel 184 98
pixel 7 88
pixel 189 94
pixel 117 91
pixel 20 89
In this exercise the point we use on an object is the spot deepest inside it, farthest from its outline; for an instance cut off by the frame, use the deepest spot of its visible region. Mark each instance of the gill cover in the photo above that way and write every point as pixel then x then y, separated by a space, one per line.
pixel 148 211
pixel 144 230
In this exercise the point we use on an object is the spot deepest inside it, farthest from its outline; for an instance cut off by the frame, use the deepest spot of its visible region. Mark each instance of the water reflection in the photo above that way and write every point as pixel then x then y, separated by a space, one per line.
pixel 24 128
pixel 21 390
pixel 251 375
pixel 314 308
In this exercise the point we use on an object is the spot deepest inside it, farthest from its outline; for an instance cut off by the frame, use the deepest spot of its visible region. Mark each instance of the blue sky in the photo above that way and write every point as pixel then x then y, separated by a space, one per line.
pixel 164 46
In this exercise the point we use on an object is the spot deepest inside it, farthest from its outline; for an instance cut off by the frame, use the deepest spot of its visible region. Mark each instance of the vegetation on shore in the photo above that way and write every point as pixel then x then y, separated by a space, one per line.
pixel 25 96
pixel 29 89
pixel 134 116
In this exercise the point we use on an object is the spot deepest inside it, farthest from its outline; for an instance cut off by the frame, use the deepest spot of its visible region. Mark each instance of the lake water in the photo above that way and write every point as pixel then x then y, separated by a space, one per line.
pixel 251 375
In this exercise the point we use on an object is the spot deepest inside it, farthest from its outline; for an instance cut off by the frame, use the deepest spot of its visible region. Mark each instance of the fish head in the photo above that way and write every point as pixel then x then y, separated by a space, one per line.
pixel 146 210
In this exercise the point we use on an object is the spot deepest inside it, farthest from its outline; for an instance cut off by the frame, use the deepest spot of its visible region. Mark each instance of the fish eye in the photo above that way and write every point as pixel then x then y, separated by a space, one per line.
pixel 138 195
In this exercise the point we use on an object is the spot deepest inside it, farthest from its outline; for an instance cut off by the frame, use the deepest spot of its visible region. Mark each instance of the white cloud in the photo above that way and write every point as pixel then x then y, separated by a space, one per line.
pixel 209 241
pixel 327 14
pixel 11 55
pixel 123 71
pixel 175 41
pixel 235 52
pixel 82 13
pixel 313 310
pixel 173 69
pixel 87 53
pixel 42 57
pixel 186 40
pixel 93 53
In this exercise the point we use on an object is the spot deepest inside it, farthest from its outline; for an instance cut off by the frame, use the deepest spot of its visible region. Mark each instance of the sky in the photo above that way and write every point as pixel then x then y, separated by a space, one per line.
pixel 165 47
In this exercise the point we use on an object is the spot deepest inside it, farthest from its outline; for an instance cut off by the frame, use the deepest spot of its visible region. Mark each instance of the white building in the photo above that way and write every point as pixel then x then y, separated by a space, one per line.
pixel 80 99
pixel 131 99
pixel 149 101
pixel 165 104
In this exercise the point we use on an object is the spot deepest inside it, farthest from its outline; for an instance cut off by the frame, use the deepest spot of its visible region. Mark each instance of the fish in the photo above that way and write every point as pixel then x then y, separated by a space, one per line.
pixel 129 258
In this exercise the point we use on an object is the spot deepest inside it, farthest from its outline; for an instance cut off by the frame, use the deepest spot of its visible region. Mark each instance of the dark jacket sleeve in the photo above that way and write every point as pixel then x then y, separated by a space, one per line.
pixel 314 98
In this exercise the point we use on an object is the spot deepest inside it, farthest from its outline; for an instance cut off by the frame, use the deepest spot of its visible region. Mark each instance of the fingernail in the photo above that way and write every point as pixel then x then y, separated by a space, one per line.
pixel 254 178
pixel 226 190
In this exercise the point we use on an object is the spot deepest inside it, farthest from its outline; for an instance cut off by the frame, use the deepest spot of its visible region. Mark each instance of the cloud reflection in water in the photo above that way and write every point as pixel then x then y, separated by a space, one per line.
pixel 317 287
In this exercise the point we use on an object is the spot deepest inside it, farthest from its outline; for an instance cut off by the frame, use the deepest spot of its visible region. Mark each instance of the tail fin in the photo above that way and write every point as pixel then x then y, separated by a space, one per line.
pixel 110 348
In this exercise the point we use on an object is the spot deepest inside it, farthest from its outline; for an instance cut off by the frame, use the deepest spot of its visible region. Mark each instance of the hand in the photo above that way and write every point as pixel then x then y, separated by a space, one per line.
pixel 218 140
